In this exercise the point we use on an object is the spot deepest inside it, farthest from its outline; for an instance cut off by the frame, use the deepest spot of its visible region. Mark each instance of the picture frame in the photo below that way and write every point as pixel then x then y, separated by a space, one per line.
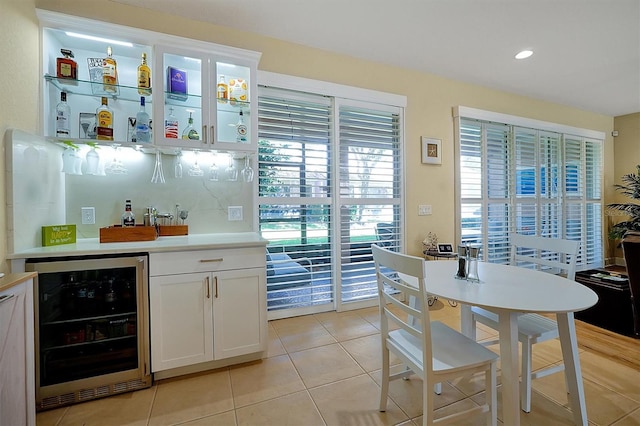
pixel 445 248
pixel 431 150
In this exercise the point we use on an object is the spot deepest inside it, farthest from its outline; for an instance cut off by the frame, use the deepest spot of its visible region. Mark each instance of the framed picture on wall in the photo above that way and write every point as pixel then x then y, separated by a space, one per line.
pixel 431 151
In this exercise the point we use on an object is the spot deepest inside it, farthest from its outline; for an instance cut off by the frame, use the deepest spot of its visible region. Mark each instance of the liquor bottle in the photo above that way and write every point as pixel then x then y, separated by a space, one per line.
pixel 128 218
pixel 143 131
pixel 144 77
pixel 109 73
pixel 105 121
pixel 190 132
pixel 67 67
pixel 171 126
pixel 241 130
pixel 63 116
pixel 222 91
pixel 110 297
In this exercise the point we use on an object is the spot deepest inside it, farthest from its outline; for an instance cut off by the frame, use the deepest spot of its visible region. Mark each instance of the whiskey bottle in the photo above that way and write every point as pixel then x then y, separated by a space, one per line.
pixel 222 90
pixel 190 132
pixel 128 218
pixel 63 116
pixel 143 131
pixel 241 130
pixel 104 116
pixel 144 77
pixel 109 73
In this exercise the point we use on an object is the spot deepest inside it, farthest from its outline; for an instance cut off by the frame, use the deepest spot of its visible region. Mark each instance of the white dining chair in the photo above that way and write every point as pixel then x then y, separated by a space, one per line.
pixel 431 350
pixel 551 255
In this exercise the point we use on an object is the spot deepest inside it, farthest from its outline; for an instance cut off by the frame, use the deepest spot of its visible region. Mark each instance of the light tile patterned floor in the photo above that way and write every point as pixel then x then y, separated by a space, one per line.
pixel 324 369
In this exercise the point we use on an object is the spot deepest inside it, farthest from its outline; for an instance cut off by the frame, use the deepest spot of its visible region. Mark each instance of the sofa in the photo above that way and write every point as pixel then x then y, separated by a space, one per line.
pixel 283 272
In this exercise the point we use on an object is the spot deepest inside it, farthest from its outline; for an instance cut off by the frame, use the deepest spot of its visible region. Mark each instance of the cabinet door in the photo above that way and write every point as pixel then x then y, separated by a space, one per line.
pixel 239 312
pixel 184 102
pixel 14 360
pixel 181 321
pixel 190 80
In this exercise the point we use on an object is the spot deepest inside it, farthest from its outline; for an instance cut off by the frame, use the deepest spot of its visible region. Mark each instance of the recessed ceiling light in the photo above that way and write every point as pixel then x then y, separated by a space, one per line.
pixel 524 54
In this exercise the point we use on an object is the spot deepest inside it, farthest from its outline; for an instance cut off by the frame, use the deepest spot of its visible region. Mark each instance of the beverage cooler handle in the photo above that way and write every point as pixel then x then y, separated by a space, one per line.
pixel 213 134
pixel 208 291
pixel 6 297
pixel 216 282
pixel 204 134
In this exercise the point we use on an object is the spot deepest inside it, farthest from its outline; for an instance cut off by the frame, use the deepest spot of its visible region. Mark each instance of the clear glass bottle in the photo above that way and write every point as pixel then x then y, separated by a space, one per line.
pixel 171 126
pixel 222 90
pixel 63 117
pixel 104 115
pixel 109 73
pixel 190 132
pixel 144 77
pixel 143 131
pixel 241 130
pixel 128 218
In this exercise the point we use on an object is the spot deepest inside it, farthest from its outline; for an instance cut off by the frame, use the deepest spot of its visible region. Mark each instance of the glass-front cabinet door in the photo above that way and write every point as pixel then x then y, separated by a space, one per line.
pixel 207 100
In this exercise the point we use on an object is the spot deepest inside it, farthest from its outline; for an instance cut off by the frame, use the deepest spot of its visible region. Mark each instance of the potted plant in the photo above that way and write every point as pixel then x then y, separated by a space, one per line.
pixel 630 188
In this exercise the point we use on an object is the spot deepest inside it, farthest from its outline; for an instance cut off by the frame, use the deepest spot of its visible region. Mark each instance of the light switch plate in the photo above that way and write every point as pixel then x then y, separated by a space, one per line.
pixel 88 215
pixel 235 213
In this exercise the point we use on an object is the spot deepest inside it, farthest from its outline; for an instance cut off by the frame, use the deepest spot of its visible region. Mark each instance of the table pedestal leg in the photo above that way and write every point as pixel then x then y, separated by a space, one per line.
pixel 509 367
pixel 573 374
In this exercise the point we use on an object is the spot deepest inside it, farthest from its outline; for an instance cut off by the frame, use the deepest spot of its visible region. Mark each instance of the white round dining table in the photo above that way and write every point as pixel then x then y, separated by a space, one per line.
pixel 510 291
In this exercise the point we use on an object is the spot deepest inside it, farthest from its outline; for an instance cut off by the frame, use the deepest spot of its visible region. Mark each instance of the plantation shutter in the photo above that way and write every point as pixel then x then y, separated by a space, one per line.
pixel 530 181
pixel 294 131
pixel 370 171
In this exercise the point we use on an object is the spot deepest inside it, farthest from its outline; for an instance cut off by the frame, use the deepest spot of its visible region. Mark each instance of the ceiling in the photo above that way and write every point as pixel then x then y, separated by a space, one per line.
pixel 586 52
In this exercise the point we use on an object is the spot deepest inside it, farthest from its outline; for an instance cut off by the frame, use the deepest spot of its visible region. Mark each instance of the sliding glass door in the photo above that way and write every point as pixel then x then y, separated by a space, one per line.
pixel 329 187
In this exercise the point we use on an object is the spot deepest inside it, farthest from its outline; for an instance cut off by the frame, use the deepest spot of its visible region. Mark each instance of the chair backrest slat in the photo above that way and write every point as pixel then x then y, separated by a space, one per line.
pixel 551 252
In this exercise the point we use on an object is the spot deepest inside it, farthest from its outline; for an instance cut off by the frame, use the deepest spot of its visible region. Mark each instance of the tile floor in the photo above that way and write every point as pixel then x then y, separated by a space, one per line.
pixel 324 369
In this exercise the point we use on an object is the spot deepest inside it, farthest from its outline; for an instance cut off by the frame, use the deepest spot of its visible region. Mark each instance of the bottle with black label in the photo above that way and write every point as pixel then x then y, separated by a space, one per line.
pixel 128 218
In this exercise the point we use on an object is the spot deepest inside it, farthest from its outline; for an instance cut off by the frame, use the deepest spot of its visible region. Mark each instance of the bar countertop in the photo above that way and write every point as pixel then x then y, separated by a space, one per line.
pixel 93 246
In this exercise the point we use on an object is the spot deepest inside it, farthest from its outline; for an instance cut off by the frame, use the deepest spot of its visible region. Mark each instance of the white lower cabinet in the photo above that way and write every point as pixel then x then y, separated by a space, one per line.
pixel 198 317
pixel 17 381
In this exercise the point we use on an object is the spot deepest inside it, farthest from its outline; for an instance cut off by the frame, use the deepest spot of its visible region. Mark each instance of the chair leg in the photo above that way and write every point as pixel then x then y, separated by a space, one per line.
pixel 384 388
pixel 525 384
pixel 490 381
pixel 437 388
pixel 427 403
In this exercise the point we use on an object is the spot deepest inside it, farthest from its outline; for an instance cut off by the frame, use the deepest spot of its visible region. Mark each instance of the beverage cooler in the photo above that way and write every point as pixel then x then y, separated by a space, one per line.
pixel 91 327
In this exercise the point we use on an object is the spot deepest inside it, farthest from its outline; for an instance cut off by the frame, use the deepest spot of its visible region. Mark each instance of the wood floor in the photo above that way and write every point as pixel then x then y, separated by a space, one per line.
pixel 623 349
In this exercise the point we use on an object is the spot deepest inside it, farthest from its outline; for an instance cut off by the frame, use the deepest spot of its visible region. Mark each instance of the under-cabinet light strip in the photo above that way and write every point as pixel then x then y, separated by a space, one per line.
pixel 105 40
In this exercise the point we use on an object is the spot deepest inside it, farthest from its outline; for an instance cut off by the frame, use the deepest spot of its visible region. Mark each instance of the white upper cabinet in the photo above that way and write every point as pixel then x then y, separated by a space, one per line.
pixel 185 75
pixel 207 118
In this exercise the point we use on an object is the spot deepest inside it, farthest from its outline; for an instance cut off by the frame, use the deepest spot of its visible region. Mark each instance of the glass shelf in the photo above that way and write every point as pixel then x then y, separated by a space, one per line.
pixel 89 88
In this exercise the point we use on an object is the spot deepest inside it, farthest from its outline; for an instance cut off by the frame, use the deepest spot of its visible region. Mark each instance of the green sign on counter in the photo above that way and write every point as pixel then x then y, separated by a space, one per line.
pixel 56 235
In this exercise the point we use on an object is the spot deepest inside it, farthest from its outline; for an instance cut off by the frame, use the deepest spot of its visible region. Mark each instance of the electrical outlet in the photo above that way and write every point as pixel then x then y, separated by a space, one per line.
pixel 235 213
pixel 88 215
pixel 424 210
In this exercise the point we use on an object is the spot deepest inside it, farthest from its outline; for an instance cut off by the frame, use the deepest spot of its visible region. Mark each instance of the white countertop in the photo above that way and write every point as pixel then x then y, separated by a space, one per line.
pixel 92 246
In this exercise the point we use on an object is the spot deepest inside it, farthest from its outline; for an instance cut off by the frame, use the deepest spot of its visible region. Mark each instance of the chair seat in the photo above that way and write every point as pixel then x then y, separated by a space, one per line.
pixel 530 326
pixel 451 350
